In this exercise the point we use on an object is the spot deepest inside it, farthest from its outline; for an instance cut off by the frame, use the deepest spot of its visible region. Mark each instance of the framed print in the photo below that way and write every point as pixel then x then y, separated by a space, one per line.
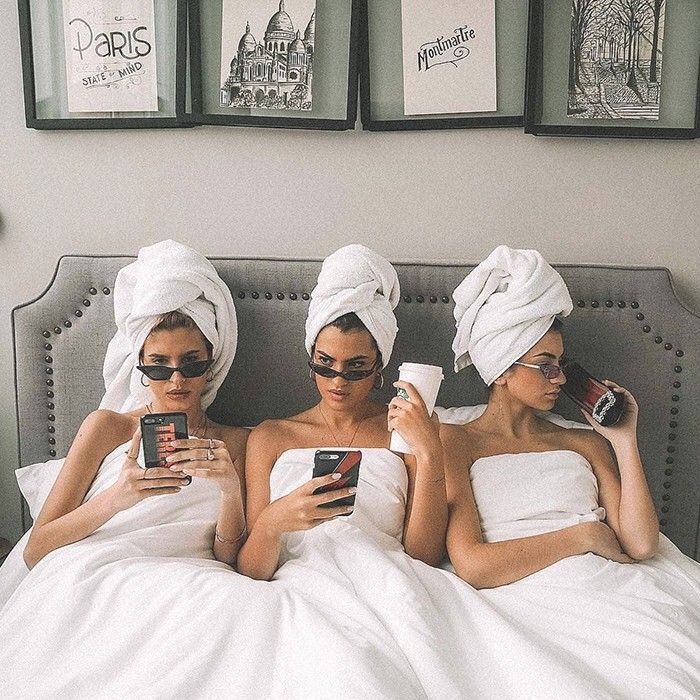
pixel 278 63
pixel 453 64
pixel 96 64
pixel 613 68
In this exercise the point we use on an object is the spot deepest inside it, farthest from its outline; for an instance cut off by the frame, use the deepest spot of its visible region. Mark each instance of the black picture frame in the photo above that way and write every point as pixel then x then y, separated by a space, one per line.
pixel 192 105
pixel 546 116
pixel 55 117
pixel 511 16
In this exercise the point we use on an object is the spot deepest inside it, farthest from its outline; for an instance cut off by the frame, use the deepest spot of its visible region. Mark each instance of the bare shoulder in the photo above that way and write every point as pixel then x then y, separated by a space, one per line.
pixel 271 428
pixel 99 434
pixel 591 445
pixel 271 437
pixel 452 434
pixel 234 436
pixel 104 425
pixel 459 443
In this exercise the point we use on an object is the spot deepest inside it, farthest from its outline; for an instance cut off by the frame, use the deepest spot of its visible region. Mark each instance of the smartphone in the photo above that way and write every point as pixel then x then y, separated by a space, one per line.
pixel 347 464
pixel 158 430
pixel 600 402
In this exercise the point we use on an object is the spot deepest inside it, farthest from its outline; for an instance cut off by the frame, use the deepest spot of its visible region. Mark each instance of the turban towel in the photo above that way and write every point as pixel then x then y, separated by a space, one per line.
pixel 503 307
pixel 167 276
pixel 358 280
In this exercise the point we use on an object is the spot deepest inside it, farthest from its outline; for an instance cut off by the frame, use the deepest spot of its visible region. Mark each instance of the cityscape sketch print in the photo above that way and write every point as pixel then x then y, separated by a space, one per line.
pixel 615 59
pixel 275 72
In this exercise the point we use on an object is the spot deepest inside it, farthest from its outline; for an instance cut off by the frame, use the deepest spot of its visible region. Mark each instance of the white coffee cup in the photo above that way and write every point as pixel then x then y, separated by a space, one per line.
pixel 426 379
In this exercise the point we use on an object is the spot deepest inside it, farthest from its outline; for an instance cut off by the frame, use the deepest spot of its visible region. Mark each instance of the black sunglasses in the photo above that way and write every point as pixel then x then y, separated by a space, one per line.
pixel 159 373
pixel 353 375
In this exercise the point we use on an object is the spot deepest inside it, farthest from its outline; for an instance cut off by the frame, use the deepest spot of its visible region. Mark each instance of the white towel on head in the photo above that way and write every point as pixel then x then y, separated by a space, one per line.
pixel 167 276
pixel 358 280
pixel 503 307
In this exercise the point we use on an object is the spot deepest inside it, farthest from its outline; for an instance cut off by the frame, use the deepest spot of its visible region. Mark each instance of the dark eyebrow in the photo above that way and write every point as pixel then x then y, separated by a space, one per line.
pixel 545 354
pixel 358 357
pixel 157 356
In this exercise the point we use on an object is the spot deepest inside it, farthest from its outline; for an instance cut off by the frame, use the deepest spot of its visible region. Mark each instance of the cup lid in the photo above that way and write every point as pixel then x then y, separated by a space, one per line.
pixel 420 368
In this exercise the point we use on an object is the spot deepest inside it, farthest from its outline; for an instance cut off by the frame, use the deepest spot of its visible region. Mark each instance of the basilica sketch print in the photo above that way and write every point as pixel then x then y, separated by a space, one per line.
pixel 267 54
pixel 615 59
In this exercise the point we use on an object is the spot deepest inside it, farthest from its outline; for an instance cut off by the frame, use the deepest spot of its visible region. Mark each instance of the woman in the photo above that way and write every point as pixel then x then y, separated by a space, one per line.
pixel 350 334
pixel 161 360
pixel 368 566
pixel 529 498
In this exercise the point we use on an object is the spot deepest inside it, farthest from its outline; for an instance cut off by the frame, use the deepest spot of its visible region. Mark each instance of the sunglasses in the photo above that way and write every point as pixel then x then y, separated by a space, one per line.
pixel 159 373
pixel 549 371
pixel 353 375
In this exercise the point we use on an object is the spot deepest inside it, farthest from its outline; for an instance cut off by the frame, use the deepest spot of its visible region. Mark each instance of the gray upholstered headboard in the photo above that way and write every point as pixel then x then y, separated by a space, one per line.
pixel 627 324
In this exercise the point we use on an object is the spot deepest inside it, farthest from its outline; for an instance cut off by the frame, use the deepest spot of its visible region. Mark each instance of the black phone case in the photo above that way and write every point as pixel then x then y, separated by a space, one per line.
pixel 590 394
pixel 347 463
pixel 157 431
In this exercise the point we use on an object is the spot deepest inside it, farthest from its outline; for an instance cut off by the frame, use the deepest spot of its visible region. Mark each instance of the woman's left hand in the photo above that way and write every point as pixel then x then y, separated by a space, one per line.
pixel 626 427
pixel 206 458
pixel 410 418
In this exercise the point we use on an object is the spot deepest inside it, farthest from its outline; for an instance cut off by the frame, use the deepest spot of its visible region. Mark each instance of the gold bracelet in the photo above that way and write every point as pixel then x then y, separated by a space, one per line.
pixel 227 541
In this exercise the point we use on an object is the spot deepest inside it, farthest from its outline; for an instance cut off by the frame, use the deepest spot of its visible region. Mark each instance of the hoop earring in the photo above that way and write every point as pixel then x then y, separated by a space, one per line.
pixel 143 381
pixel 381 381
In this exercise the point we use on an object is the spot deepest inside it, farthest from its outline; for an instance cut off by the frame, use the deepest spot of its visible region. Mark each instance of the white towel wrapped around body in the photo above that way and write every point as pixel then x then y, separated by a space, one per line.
pixel 503 307
pixel 357 280
pixel 167 276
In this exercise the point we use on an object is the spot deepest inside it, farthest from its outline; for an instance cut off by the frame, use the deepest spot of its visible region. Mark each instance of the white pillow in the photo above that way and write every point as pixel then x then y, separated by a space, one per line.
pixel 36 480
pixel 458 415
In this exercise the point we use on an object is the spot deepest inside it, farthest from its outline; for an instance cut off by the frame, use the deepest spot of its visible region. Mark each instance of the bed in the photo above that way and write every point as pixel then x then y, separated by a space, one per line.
pixel 627 324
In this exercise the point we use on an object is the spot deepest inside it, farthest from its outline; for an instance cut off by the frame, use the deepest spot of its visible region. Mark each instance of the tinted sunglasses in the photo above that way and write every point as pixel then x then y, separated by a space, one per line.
pixel 159 373
pixel 549 371
pixel 353 375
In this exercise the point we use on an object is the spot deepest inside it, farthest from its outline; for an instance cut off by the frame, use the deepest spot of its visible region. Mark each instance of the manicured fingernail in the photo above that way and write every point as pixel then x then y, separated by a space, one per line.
pixel 335 476
pixel 352 489
pixel 169 448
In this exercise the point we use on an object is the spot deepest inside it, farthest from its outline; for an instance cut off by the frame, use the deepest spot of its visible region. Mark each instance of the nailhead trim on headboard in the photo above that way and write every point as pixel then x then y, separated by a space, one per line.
pixel 48 369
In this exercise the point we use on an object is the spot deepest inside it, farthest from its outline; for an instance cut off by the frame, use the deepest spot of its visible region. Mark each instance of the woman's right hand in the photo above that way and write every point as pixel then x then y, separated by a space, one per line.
pixel 136 483
pixel 301 509
pixel 598 538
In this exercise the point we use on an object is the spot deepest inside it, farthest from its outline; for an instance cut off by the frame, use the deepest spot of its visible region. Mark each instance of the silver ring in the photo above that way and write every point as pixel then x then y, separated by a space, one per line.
pixel 211 444
pixel 210 454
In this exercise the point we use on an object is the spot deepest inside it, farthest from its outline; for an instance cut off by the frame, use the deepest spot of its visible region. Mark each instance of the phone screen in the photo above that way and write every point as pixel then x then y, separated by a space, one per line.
pixel 158 430
pixel 347 464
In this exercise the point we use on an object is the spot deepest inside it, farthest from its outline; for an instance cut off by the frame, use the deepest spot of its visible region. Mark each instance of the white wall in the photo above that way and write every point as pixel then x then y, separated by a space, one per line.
pixel 431 196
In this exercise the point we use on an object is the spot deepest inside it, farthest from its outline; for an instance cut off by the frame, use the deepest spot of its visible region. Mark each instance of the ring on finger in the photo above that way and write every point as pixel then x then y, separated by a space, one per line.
pixel 210 454
pixel 211 444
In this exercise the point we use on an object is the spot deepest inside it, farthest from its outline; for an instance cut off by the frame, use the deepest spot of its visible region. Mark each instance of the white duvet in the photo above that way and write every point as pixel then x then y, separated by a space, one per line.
pixel 140 609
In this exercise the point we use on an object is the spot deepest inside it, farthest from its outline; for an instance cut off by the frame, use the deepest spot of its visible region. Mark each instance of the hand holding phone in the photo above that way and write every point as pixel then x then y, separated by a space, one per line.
pixel 158 431
pixel 135 483
pixel 344 462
